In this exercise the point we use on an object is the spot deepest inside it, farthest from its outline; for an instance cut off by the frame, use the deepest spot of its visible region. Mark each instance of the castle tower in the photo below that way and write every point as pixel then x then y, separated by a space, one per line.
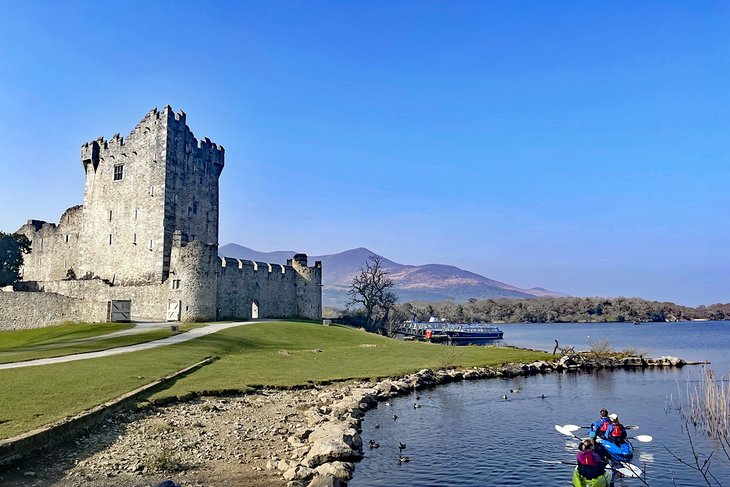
pixel 308 287
pixel 139 190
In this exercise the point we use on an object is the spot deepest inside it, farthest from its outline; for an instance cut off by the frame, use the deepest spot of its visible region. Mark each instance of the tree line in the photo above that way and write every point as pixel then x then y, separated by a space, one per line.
pixel 561 310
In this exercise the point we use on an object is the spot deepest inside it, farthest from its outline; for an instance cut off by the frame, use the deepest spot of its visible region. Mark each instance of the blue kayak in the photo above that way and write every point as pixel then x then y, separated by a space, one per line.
pixel 622 453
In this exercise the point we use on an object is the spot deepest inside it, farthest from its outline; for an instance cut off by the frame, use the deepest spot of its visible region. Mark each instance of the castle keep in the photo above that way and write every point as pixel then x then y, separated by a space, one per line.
pixel 147 232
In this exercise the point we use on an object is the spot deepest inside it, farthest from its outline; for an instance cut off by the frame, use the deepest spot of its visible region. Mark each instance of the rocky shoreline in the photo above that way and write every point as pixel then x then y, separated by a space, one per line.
pixel 292 438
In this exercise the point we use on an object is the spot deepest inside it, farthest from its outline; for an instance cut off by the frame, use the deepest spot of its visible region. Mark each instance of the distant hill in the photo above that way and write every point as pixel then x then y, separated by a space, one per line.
pixel 430 282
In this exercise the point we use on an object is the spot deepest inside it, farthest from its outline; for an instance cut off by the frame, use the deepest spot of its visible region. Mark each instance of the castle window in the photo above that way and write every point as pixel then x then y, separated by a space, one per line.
pixel 195 207
pixel 118 172
pixel 110 215
pixel 110 239
pixel 135 213
pixel 134 239
pixel 176 283
pixel 190 212
pixel 152 190
pixel 151 244
pixel 65 237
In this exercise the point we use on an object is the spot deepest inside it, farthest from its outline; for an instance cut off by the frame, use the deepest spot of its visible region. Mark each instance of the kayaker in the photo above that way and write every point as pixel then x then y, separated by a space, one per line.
pixel 598 428
pixel 590 464
pixel 615 432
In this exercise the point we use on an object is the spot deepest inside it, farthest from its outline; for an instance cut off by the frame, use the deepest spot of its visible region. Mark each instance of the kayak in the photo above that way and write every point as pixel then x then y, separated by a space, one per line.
pixel 621 453
pixel 605 480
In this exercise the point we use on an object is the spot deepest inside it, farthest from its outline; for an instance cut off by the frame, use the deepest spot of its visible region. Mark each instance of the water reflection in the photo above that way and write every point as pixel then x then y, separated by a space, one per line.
pixel 466 435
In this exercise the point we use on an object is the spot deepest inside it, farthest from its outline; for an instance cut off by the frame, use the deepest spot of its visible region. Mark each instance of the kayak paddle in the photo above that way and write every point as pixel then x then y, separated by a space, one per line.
pixel 575 427
pixel 627 469
pixel 642 438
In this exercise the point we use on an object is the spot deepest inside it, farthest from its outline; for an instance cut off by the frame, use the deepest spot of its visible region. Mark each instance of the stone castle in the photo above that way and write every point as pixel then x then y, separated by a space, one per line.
pixel 147 233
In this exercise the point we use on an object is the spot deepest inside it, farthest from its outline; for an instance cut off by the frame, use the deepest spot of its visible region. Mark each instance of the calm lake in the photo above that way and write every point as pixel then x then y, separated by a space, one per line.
pixel 465 435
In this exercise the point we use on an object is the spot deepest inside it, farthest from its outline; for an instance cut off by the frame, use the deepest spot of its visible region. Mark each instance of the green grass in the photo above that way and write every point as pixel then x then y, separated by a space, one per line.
pixel 271 354
pixel 66 332
pixel 101 343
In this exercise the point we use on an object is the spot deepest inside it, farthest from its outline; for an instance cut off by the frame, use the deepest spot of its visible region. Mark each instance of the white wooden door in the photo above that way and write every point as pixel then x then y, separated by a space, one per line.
pixel 173 310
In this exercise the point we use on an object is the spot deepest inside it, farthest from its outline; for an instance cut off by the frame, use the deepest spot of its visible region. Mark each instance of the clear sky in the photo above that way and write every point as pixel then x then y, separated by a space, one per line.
pixel 578 146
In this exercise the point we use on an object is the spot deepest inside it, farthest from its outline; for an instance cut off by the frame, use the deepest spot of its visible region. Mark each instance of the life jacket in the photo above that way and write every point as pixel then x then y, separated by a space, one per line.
pixel 600 426
pixel 590 464
pixel 616 433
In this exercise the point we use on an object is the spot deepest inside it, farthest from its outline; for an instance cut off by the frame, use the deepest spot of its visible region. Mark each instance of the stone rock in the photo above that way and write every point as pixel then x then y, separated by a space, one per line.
pixel 633 362
pixel 336 432
pixel 299 472
pixel 326 481
pixel 340 470
pixel 329 451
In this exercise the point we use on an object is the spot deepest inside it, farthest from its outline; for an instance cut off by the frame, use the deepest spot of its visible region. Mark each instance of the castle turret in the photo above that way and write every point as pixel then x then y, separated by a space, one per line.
pixel 193 279
pixel 308 287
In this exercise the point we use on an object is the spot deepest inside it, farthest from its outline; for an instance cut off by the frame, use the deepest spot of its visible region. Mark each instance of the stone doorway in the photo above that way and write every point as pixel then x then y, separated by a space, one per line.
pixel 255 310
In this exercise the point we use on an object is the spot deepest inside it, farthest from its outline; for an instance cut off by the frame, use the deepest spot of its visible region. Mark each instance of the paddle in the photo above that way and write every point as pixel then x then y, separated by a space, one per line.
pixel 627 469
pixel 563 430
pixel 575 427
pixel 642 438
pixel 568 430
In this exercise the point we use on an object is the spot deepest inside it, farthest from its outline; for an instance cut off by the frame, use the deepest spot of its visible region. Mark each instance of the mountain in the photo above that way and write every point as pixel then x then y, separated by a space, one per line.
pixel 430 282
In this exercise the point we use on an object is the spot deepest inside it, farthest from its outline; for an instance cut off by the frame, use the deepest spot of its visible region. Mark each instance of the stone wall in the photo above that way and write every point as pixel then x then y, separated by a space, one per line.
pixel 25 310
pixel 243 284
pixel 148 301
pixel 54 248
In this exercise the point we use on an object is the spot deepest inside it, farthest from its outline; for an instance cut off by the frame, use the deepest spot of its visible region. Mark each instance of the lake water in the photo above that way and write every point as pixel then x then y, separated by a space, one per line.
pixel 465 435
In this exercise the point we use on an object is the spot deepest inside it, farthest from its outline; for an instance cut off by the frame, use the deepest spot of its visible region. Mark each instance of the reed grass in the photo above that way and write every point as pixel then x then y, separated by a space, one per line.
pixel 709 405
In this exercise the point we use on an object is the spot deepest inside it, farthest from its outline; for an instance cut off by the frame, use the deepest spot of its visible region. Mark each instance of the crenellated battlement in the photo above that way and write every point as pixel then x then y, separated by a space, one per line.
pixel 154 122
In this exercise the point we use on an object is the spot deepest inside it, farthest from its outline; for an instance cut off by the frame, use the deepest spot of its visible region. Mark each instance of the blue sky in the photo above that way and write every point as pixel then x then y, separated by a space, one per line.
pixel 583 148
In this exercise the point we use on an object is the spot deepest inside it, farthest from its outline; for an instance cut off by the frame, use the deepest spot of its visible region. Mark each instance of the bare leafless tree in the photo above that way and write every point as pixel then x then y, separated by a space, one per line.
pixel 372 289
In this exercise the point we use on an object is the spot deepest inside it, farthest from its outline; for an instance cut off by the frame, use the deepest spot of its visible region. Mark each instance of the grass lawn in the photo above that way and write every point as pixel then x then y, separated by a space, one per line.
pixel 101 343
pixel 53 335
pixel 270 353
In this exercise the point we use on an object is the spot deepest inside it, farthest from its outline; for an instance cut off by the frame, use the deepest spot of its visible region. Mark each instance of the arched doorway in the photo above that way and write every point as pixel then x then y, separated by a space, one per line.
pixel 254 310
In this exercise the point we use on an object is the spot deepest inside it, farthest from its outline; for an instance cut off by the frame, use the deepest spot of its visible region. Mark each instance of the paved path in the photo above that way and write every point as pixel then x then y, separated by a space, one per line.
pixel 179 338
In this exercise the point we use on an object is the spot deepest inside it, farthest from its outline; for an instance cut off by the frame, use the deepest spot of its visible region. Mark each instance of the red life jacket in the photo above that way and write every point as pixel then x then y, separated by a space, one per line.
pixel 604 425
pixel 616 434
pixel 589 458
pixel 617 430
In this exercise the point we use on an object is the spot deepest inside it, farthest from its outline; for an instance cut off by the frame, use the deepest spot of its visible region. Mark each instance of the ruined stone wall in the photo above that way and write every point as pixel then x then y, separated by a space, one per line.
pixel 24 310
pixel 124 203
pixel 54 248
